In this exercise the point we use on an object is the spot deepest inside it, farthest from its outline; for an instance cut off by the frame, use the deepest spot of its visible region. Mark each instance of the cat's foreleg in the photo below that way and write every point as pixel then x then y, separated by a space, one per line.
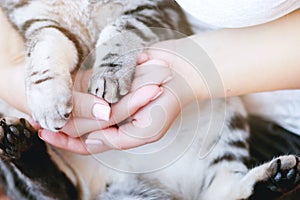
pixel 227 150
pixel 118 46
pixel 51 55
pixel 120 43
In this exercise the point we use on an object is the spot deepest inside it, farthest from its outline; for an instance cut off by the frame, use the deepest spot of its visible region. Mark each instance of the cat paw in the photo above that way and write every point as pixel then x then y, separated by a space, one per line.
pixel 16 136
pixel 111 82
pixel 281 177
pixel 285 174
pixel 51 104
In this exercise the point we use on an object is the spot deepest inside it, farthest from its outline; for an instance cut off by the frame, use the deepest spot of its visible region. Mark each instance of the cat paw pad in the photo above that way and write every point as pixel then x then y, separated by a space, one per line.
pixel 279 177
pixel 16 136
pixel 285 174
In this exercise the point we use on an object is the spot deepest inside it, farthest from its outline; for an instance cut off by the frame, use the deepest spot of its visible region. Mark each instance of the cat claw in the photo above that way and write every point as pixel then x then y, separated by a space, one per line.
pixel 110 84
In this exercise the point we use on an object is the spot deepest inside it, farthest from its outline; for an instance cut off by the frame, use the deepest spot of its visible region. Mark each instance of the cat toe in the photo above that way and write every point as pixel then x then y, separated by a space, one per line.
pixel 106 88
pixel 110 84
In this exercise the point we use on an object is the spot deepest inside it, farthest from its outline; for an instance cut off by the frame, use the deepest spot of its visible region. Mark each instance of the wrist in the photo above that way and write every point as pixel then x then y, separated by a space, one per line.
pixel 195 67
pixel 189 64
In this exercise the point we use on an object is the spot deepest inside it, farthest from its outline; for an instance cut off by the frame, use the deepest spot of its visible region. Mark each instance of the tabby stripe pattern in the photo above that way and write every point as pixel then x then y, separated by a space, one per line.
pixel 228 157
pixel 28 24
pixel 14 179
pixel 71 37
pixel 239 144
pixel 238 122
pixel 21 4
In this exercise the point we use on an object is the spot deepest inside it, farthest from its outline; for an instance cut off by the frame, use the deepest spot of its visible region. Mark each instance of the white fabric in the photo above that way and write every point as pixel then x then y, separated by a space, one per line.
pixel 282 107
pixel 238 13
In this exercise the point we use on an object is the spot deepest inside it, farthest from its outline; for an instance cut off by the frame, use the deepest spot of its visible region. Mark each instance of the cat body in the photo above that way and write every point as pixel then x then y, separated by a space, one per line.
pixel 201 157
pixel 205 160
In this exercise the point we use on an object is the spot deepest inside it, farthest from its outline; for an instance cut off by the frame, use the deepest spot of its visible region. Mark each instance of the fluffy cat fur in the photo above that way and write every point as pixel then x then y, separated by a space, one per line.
pixel 58 35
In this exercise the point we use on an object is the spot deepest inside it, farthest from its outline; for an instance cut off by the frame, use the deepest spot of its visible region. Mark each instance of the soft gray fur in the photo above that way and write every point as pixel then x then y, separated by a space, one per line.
pixel 211 167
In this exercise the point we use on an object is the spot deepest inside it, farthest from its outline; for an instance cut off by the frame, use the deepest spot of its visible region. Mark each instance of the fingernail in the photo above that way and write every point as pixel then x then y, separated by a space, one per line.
pixel 40 134
pixel 93 142
pixel 158 94
pixel 156 62
pixel 167 79
pixel 101 112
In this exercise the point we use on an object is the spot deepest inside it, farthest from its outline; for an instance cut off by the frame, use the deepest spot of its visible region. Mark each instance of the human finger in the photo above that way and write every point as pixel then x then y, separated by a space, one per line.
pixel 143 57
pixel 87 106
pixel 33 123
pixel 63 141
pixel 126 107
pixel 147 126
pixel 152 72
pixel 90 107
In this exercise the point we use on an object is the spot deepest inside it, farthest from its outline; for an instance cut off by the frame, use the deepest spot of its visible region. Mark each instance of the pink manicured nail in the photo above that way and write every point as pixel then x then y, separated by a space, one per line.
pixel 93 142
pixel 101 112
pixel 158 94
pixel 156 62
pixel 40 134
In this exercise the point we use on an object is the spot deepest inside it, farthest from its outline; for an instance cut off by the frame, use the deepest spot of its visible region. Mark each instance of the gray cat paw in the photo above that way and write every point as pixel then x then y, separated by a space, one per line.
pixel 111 82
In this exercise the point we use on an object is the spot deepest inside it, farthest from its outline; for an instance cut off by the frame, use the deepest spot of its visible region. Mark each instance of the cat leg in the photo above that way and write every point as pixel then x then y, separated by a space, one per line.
pixel 120 43
pixel 116 58
pixel 26 169
pixel 54 48
pixel 229 177
pixel 226 161
pixel 51 55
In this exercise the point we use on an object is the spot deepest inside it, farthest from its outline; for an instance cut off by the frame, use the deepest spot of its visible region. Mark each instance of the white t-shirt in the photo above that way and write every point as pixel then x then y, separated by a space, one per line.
pixel 282 107
pixel 238 13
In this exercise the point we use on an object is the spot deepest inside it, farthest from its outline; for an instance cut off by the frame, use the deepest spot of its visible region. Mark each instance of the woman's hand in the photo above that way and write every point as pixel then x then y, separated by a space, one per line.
pixel 164 83
pixel 86 134
pixel 149 119
pixel 158 95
